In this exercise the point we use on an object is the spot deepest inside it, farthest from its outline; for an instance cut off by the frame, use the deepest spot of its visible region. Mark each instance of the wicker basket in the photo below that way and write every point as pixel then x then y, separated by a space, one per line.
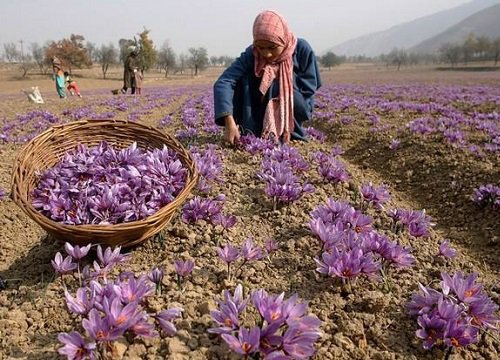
pixel 46 150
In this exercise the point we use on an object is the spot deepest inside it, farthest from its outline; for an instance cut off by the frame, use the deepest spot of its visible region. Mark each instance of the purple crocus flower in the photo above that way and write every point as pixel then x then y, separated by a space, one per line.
pixel 448 310
pixel 400 256
pixel 458 334
pixel 165 320
pixel 423 302
pixel 228 311
pixel 63 266
pixel 466 289
pixel 83 302
pixel 431 330
pixel 77 252
pixel 75 347
pixel 348 265
pixel 483 312
pixel 226 221
pixel 142 327
pixel 251 252
pixel 228 253
pixel 110 257
pixel 394 144
pixel 183 268
pixel 134 290
pixel 375 195
pixel 446 251
pixel 270 307
pixel 271 246
pixel 299 342
pixel 226 317
pixel 99 329
pixel 156 275
pixel 247 341
pixel 119 315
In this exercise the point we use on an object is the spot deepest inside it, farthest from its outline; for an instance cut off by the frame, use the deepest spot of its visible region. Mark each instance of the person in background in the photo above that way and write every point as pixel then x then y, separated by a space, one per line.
pixel 138 76
pixel 269 90
pixel 129 73
pixel 72 85
pixel 58 76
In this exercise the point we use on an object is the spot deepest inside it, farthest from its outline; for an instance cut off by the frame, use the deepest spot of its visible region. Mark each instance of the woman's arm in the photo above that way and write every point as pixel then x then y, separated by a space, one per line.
pixel 224 87
pixel 307 81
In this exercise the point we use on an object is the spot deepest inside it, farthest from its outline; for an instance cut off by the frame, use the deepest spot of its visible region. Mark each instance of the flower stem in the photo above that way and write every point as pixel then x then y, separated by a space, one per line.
pixel 448 353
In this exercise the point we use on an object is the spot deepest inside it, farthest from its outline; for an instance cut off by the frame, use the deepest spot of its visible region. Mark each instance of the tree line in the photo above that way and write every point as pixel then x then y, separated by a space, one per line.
pixel 74 52
pixel 472 49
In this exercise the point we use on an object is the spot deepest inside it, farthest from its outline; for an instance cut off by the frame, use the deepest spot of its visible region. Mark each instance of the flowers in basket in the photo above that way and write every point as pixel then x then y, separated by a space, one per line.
pixel 104 185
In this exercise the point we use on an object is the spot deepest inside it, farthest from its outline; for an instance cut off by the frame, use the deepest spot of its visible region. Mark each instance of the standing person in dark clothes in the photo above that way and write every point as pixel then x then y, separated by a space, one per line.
pixel 269 90
pixel 129 70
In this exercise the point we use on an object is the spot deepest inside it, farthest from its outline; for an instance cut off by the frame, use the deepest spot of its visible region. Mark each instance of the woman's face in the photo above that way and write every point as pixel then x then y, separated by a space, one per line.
pixel 268 50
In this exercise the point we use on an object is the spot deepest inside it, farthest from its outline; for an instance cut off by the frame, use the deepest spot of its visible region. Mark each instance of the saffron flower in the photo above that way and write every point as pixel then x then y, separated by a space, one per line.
pixel 99 328
pixel 156 276
pixel 251 252
pixel 63 266
pixel 165 319
pixel 109 257
pixel 453 316
pixel 77 252
pixel 183 269
pixel 375 195
pixel 283 329
pixel 228 254
pixel 446 251
pixel 271 246
pixel 431 330
pixel 487 195
pixel 83 302
pixel 247 341
pixel 75 347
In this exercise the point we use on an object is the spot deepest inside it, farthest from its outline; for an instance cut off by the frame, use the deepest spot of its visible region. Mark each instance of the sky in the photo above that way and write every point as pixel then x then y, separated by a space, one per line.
pixel 223 27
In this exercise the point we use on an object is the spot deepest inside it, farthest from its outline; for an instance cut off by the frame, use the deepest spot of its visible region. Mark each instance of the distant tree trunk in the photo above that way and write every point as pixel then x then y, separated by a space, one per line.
pixel 104 68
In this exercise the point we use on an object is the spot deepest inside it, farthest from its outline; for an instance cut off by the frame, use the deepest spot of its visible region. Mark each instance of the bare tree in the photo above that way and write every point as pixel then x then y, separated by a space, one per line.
pixel 106 55
pixel 12 54
pixel 26 64
pixel 198 59
pixel 469 48
pixel 483 45
pixel 451 53
pixel 92 51
pixel 183 61
pixel 38 53
pixel 398 57
pixel 167 59
pixel 495 50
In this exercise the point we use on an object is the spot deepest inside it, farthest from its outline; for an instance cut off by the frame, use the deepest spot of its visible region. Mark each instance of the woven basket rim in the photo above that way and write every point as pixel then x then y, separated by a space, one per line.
pixel 24 202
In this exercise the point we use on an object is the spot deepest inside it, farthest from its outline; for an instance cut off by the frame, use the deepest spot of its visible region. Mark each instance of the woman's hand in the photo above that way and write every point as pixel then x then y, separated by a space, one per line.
pixel 231 132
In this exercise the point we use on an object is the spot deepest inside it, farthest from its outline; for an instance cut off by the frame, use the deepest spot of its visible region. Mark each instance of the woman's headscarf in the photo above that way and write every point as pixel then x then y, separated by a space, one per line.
pixel 278 118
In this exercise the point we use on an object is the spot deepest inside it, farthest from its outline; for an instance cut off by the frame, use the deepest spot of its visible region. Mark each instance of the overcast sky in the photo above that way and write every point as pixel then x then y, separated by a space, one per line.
pixel 223 27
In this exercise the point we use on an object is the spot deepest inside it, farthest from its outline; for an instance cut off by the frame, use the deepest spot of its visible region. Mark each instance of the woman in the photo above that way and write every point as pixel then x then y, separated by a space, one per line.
pixel 269 90
pixel 58 76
